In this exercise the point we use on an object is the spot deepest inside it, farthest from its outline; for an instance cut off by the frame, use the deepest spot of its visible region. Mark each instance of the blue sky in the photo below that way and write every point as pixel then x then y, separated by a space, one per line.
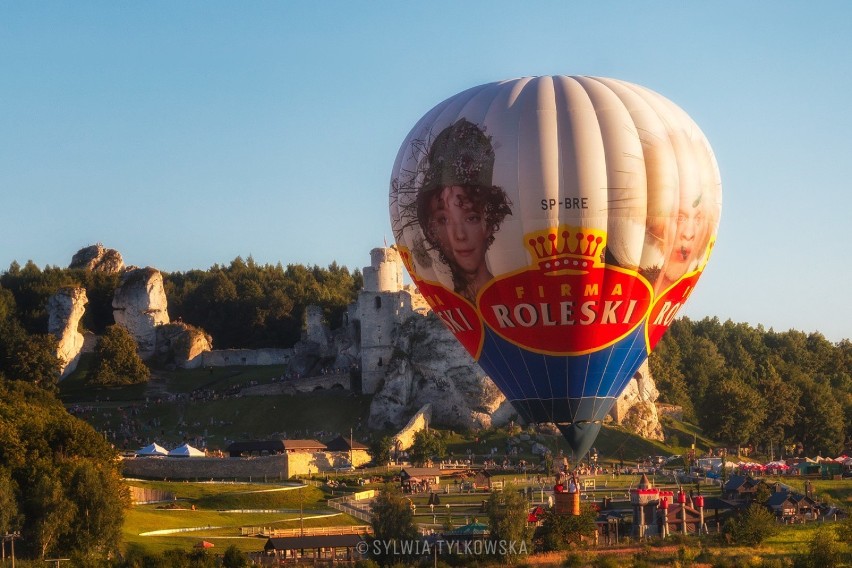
pixel 185 134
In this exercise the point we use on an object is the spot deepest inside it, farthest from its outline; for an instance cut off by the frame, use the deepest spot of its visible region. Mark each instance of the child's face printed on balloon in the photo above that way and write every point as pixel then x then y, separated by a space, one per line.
pixel 460 229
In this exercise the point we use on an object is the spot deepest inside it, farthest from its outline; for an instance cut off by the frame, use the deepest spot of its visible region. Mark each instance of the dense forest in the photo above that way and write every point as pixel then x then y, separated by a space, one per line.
pixel 241 305
pixel 748 386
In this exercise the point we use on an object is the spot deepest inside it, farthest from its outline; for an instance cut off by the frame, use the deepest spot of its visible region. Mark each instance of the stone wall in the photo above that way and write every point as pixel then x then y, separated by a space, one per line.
pixel 204 469
pixel 236 357
pixel 270 468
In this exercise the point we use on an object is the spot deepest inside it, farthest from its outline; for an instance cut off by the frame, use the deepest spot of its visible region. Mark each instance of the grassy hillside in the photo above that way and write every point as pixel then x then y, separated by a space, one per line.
pixel 195 405
pixel 200 405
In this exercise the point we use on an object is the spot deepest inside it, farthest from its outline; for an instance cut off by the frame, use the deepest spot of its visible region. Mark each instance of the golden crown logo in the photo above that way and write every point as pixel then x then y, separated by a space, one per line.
pixel 567 249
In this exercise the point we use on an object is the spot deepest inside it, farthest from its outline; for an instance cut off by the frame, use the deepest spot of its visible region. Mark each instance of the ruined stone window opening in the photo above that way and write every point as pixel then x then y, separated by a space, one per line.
pixel 378 302
pixel 380 361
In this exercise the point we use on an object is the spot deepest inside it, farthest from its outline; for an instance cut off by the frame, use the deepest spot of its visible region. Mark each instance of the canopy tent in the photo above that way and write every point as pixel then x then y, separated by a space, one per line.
pixel 186 451
pixel 154 449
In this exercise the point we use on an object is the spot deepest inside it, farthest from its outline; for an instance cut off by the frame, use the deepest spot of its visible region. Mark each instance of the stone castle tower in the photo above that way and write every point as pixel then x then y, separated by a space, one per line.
pixel 383 304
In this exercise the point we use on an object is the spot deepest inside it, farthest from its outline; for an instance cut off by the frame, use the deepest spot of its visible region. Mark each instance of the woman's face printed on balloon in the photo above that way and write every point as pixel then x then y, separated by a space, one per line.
pixel 458 225
pixel 690 232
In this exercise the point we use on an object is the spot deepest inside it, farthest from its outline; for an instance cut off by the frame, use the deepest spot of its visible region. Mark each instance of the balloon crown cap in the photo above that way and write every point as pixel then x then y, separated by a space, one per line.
pixel 567 248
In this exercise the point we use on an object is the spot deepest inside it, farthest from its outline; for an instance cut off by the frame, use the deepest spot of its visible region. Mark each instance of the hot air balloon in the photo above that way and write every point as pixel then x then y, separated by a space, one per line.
pixel 556 225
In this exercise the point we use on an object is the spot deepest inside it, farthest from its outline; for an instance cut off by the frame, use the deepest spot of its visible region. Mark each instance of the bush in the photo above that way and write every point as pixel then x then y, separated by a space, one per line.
pixel 823 550
pixel 751 527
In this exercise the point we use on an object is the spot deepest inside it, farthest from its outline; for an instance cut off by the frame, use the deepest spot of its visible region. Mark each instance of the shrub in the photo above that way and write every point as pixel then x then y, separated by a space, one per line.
pixel 752 526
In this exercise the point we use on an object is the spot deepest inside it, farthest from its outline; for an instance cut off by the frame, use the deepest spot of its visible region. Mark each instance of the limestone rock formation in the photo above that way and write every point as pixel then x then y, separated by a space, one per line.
pixel 182 345
pixel 636 407
pixel 64 310
pixel 97 258
pixel 430 366
pixel 404 439
pixel 139 305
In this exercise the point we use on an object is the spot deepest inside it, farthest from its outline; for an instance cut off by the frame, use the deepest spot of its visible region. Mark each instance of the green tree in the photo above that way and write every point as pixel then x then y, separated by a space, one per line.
pixel 782 408
pixel 733 411
pixel 8 502
pixel 116 360
pixel 7 304
pixel 70 504
pixel 752 526
pixel 392 521
pixel 427 445
pixel 823 550
pixel 234 558
pixel 380 450
pixel 508 511
pixel 100 497
pixel 36 361
pixel 762 493
pixel 50 510
pixel 29 358
pixel 561 531
pixel 820 423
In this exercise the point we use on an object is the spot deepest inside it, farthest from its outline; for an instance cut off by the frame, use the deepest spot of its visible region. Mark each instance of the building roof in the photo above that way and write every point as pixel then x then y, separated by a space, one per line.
pixel 276 446
pixel 271 446
pixel 470 529
pixel 645 483
pixel 303 445
pixel 720 504
pixel 777 499
pixel 313 541
pixel 420 472
pixel 342 444
pixel 735 482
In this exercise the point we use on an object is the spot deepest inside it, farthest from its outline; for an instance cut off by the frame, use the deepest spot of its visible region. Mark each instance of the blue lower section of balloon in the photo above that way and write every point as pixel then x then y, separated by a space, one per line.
pixel 562 389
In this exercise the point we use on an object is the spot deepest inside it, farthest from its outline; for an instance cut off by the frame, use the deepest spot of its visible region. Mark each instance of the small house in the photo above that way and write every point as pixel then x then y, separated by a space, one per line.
pixel 316 548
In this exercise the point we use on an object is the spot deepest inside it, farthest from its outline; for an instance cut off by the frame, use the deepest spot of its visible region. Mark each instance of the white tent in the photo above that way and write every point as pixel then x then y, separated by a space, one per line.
pixel 186 451
pixel 154 449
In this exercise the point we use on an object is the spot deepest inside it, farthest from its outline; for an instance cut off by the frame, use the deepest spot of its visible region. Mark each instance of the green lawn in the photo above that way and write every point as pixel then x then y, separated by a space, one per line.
pixel 214 520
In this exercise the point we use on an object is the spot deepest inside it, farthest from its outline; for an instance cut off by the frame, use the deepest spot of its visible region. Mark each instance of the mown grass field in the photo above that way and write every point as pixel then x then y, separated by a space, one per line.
pixel 211 522
pixel 216 517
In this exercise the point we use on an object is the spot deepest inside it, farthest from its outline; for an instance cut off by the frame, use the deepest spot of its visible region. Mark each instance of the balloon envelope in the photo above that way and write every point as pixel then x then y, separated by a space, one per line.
pixel 556 225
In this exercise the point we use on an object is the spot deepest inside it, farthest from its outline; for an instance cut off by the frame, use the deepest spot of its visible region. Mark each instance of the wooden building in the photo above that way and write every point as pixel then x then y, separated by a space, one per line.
pixel 315 548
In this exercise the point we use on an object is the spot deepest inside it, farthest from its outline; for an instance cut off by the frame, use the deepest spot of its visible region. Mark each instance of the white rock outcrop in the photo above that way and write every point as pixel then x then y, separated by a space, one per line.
pixel 430 366
pixel 404 439
pixel 139 305
pixel 97 258
pixel 636 407
pixel 64 310
pixel 182 345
